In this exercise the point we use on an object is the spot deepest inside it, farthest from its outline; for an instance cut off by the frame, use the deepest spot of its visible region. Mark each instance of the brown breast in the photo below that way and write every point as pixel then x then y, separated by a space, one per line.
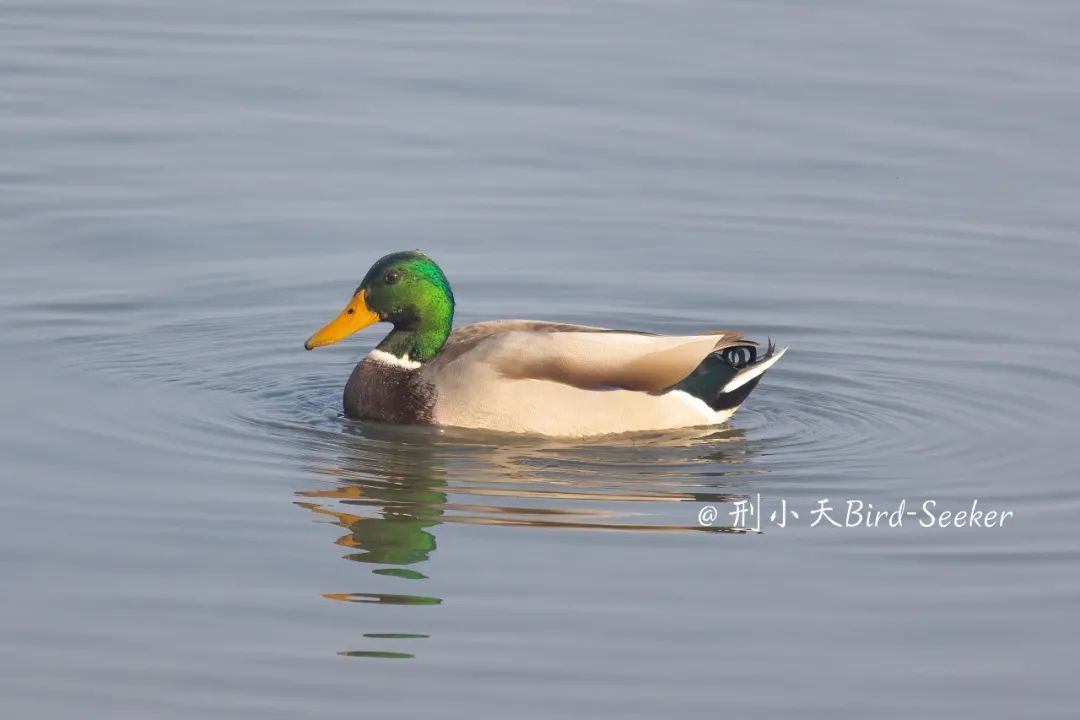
pixel 390 393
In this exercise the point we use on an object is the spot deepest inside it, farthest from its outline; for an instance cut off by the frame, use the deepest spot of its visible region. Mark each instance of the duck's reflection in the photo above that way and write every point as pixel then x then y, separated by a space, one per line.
pixel 391 489
pixel 397 535
pixel 388 495
pixel 404 486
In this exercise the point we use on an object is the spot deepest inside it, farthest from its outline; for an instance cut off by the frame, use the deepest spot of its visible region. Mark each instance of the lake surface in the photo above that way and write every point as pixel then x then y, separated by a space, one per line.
pixel 188 526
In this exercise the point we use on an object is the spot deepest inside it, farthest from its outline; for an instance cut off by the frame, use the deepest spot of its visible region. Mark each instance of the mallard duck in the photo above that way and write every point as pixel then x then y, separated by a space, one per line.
pixel 528 376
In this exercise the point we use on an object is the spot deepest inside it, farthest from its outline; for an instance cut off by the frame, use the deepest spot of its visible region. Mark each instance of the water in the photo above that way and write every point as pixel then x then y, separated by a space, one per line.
pixel 188 190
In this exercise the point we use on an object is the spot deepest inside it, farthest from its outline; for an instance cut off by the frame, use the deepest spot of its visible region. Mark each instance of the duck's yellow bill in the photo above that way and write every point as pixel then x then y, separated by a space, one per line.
pixel 355 316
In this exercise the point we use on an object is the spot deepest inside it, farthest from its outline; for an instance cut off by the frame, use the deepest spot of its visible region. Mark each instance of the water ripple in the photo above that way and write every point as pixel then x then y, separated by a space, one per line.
pixel 234 389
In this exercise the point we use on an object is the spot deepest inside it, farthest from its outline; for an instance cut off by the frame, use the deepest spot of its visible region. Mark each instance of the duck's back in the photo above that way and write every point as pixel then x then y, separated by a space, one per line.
pixel 567 380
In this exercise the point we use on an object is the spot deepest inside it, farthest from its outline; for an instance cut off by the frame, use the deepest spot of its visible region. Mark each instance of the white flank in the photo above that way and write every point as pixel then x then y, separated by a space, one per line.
pixel 388 359
pixel 752 372
pixel 708 415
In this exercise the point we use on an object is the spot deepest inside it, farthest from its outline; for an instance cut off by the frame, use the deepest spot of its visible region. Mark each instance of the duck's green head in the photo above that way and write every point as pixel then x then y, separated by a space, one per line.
pixel 407 289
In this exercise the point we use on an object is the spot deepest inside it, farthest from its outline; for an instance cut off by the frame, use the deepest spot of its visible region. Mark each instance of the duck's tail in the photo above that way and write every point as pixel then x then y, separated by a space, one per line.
pixel 726 377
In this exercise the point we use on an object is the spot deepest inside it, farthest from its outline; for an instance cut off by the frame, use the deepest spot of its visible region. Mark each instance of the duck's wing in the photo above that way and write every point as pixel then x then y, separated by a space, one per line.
pixel 585 357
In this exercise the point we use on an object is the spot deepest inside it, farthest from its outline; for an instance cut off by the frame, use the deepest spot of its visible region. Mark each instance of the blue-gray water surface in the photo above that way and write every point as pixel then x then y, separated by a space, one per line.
pixel 190 528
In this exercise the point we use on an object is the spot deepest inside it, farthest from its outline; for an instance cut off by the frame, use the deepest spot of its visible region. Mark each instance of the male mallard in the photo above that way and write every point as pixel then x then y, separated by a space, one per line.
pixel 529 376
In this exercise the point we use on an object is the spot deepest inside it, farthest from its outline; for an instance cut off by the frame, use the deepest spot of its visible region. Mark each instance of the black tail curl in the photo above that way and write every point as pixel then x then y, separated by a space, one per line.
pixel 720 368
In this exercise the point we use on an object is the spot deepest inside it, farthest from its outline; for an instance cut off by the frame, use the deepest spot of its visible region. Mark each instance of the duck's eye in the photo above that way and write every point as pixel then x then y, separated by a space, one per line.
pixel 391 276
